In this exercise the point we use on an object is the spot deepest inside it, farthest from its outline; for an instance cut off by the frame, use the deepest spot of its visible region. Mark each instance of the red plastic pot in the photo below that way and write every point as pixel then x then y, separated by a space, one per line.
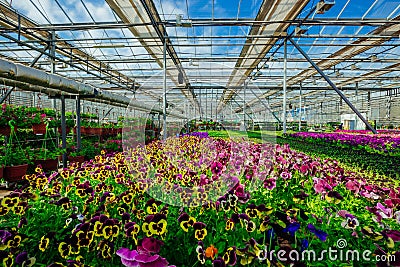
pixel 39 129
pixel 85 130
pixel 68 129
pixel 5 130
pixel 15 173
pixel 92 131
pixel 98 131
pixel 78 159
pixel 1 171
pixel 47 164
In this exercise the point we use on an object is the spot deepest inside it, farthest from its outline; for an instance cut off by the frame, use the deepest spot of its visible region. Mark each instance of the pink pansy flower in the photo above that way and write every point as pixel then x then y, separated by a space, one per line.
pixel 353 186
pixel 320 185
pixel 144 256
pixel 286 175
pixel 384 212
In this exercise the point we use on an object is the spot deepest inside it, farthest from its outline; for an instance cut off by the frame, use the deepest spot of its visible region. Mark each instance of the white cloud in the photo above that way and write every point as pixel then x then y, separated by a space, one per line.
pixel 49 9
pixel 99 10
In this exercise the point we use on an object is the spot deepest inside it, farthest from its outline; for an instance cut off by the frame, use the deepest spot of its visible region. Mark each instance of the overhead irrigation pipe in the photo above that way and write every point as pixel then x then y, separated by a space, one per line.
pixel 31 79
pixel 333 85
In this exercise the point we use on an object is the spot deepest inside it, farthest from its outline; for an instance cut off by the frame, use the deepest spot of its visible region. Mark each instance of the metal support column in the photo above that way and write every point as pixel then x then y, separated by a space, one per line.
pixel 206 115
pixel 78 123
pixel 53 59
pixel 211 105
pixel 165 90
pixel 284 84
pixel 244 105
pixel 301 94
pixel 63 131
pixel 333 86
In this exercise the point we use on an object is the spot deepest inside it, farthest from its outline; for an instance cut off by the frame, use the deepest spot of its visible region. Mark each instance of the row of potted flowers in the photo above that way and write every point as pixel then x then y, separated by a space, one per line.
pixel 39 120
pixel 381 143
pixel 15 162
pixel 382 131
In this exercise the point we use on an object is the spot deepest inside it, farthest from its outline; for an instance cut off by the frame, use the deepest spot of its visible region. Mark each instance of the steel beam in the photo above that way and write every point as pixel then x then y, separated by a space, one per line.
pixel 165 91
pixel 78 123
pixel 300 104
pixel 244 105
pixel 284 84
pixel 198 22
pixel 315 66
pixel 63 132
pixel 39 56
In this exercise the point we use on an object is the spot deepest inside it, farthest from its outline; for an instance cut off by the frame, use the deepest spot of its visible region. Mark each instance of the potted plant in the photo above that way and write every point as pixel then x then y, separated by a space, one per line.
pixel 108 129
pixel 96 128
pixel 69 124
pixel 85 127
pixel 16 162
pixel 77 156
pixel 38 123
pixel 47 158
pixel 6 115
pixel 22 117
pixel 53 122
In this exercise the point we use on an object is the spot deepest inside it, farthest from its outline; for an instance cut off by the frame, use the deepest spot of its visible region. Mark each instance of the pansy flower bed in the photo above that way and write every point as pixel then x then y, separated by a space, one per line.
pixel 200 201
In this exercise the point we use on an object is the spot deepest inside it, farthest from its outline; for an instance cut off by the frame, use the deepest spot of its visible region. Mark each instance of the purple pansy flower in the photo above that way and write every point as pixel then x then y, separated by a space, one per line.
pixel 318 233
pixel 292 228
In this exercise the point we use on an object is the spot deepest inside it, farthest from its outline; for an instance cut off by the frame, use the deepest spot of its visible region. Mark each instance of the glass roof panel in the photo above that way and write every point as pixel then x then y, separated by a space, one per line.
pixel 205 56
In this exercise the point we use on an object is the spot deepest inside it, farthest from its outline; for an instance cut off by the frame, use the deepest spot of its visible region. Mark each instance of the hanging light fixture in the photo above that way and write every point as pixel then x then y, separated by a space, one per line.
pixel 179 18
pixel 181 23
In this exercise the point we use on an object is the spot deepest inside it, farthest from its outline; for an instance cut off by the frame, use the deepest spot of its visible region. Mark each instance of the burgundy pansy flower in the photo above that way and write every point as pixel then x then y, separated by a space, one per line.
pixel 219 262
pixel 270 183
pixel 216 168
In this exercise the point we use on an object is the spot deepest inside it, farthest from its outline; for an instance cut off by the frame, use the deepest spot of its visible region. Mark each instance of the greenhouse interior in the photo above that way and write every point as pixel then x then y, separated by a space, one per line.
pixel 155 133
